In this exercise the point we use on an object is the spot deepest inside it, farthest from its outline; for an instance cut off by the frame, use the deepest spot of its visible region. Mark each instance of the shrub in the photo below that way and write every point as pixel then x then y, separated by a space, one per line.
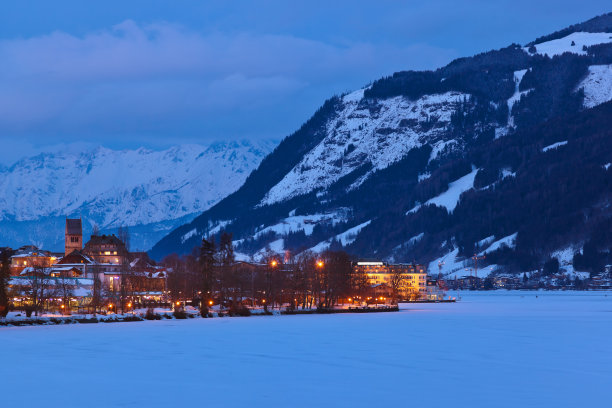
pixel 239 310
pixel 204 311
pixel 179 314
pixel 151 315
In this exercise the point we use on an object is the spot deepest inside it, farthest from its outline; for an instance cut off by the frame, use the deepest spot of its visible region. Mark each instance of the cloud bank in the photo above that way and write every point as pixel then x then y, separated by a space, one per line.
pixel 163 81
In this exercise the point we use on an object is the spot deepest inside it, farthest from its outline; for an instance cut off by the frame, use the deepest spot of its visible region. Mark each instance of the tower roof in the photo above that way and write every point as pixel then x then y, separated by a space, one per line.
pixel 74 227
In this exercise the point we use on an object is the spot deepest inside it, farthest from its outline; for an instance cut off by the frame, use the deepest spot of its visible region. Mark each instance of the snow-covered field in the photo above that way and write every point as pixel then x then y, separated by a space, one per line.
pixel 502 349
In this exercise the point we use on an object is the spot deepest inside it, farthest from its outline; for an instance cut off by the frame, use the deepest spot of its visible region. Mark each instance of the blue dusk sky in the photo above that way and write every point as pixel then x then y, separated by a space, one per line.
pixel 154 73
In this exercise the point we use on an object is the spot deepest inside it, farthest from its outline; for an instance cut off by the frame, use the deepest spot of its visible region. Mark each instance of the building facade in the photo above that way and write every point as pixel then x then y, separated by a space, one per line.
pixel 411 279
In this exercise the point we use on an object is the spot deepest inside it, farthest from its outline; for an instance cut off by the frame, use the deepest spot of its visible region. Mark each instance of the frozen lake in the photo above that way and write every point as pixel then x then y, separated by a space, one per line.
pixel 502 349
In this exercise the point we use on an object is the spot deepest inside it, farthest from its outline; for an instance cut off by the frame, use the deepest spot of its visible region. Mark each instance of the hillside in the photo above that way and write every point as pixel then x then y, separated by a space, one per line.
pixel 423 165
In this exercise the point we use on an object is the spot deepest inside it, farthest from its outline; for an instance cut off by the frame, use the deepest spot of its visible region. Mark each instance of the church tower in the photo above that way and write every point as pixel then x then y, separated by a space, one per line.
pixel 74 235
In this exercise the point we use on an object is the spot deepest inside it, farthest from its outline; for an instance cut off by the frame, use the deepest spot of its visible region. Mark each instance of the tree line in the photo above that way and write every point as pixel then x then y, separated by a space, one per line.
pixel 210 275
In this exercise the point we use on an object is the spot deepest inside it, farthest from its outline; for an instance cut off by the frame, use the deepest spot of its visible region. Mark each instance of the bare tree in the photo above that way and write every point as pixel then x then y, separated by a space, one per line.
pixel 65 288
pixel 124 235
pixel 126 283
pixel 398 285
pixel 96 295
pixel 39 287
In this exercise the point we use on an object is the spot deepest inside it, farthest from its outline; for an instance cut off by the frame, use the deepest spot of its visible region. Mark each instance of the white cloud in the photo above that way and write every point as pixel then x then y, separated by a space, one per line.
pixel 166 80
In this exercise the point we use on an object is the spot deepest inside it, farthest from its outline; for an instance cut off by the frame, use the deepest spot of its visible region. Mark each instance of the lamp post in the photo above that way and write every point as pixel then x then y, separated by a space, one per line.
pixel 320 266
pixel 273 267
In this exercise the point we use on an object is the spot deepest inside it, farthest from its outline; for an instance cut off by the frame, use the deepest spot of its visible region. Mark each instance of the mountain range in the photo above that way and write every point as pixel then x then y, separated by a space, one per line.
pixel 503 154
pixel 150 192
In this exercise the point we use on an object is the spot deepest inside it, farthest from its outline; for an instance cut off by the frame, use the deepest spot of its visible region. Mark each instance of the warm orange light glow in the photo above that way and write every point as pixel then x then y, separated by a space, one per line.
pixel 350 299
pixel 320 264
pixel 210 302
pixel 130 304
pixel 273 263
pixel 178 303
pixel 110 306
pixel 62 306
pixel 263 301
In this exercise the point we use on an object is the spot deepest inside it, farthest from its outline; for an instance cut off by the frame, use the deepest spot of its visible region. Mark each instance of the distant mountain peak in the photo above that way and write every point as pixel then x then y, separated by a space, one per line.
pixel 122 187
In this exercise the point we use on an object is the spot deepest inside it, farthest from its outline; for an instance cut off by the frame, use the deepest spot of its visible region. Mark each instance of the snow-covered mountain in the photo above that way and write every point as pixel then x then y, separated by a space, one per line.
pixel 150 191
pixel 385 171
pixel 376 133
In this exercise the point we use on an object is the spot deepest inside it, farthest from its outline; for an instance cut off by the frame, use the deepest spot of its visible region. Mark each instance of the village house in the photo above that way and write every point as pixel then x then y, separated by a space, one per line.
pixel 104 258
pixel 31 256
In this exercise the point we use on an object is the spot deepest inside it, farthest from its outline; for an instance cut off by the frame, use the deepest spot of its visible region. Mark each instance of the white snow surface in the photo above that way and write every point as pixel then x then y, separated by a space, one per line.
pixel 554 146
pixel 597 85
pixel 450 198
pixel 382 132
pixel 345 238
pixel 277 246
pixel 566 257
pixel 486 241
pixel 126 187
pixel 304 223
pixel 518 77
pixel 451 264
pixel 563 45
pixel 552 348
pixel 509 241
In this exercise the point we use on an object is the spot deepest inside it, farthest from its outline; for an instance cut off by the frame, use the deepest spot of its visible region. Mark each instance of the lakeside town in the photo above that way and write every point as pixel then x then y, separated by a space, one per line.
pixel 103 277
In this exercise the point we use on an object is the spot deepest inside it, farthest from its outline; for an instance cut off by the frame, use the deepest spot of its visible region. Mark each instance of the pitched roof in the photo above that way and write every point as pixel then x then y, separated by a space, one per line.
pixel 75 257
pixel 74 226
pixel 105 240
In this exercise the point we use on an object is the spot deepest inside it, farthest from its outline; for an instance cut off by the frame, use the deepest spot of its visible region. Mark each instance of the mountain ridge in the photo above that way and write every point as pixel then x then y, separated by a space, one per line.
pixel 333 161
pixel 128 187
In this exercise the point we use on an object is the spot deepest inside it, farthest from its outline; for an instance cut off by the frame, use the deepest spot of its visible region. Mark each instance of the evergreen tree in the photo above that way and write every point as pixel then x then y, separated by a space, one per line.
pixel 226 261
pixel 207 264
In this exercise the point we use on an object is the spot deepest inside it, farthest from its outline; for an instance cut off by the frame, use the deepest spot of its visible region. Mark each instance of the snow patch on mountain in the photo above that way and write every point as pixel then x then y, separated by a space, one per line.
pixel 304 223
pixel 509 241
pixel 424 176
pixel 597 85
pixel 485 241
pixel 518 77
pixel 447 264
pixel 450 198
pixel 579 39
pixel 345 238
pixel 440 147
pixel 277 246
pixel 189 235
pixel 554 146
pixel 379 132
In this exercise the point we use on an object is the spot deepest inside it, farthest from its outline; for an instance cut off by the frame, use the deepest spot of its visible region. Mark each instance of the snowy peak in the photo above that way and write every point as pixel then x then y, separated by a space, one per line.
pixel 126 187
